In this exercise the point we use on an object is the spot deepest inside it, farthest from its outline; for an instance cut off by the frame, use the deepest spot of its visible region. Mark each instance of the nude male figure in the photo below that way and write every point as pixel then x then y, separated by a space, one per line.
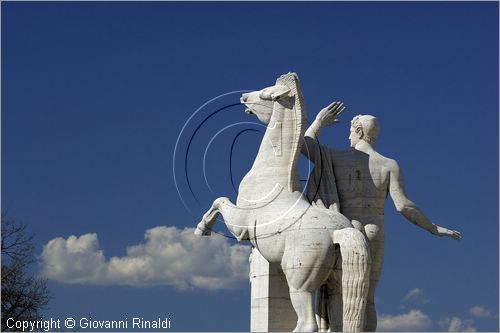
pixel 363 179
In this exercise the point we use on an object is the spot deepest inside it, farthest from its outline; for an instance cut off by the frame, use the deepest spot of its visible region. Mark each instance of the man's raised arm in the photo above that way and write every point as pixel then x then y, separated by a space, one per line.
pixel 326 117
pixel 409 210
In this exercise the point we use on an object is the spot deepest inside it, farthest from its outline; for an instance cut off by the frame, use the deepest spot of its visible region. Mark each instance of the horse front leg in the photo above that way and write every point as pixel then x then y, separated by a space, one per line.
pixel 204 228
pixel 234 217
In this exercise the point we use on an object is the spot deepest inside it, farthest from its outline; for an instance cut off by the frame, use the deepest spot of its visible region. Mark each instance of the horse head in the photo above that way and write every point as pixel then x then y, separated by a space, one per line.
pixel 261 102
pixel 281 107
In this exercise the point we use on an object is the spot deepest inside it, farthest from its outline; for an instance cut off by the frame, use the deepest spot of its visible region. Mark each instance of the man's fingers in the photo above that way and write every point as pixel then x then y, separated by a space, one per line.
pixel 335 106
pixel 332 105
pixel 338 111
pixel 333 110
pixel 455 234
pixel 341 109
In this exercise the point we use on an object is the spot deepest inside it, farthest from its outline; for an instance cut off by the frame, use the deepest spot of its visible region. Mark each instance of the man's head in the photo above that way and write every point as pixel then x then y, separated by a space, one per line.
pixel 364 127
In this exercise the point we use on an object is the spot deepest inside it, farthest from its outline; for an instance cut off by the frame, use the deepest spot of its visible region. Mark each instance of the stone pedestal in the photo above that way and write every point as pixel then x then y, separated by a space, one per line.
pixel 271 309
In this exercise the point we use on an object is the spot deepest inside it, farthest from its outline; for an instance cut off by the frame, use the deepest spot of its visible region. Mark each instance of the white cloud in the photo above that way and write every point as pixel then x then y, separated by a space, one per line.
pixel 413 321
pixel 416 294
pixel 169 256
pixel 482 312
pixel 455 324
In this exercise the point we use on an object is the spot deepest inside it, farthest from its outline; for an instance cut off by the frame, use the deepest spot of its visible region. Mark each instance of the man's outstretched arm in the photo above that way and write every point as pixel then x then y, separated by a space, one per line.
pixel 325 117
pixel 409 210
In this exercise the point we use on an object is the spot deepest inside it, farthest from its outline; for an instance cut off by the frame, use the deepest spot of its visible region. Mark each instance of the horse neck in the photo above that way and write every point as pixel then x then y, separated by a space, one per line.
pixel 280 148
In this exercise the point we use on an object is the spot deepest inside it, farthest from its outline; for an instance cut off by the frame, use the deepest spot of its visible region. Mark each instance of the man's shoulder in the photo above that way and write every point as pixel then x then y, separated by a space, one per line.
pixel 387 162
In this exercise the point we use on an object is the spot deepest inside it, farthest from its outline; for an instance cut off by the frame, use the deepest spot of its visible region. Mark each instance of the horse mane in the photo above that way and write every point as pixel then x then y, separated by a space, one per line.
pixel 291 80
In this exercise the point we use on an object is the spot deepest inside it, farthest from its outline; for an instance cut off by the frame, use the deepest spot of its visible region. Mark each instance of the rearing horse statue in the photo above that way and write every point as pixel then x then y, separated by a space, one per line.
pixel 313 245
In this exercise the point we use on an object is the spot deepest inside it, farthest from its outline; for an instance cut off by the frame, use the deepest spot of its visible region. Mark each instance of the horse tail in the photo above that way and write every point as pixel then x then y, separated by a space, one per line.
pixel 356 263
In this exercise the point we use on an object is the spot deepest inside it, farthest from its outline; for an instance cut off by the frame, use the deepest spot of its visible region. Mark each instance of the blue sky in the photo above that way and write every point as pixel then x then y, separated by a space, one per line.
pixel 95 95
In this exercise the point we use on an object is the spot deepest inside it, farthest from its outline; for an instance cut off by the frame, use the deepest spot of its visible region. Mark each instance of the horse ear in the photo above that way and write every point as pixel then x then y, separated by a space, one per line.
pixel 279 92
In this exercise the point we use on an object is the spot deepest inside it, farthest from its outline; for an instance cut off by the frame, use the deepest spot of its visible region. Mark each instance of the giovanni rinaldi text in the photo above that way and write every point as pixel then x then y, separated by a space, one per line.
pixel 85 323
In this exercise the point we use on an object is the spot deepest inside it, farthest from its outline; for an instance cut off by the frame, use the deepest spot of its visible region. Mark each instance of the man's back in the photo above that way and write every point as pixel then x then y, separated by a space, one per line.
pixel 362 184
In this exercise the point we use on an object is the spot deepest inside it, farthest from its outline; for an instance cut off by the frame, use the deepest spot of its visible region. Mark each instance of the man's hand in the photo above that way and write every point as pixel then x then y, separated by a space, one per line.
pixel 328 115
pixel 447 232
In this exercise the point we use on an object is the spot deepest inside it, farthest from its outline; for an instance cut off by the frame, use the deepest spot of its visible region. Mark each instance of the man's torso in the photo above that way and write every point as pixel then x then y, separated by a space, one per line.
pixel 362 184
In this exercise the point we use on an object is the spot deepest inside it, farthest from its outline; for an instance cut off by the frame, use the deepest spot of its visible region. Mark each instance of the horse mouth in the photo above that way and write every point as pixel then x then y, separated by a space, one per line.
pixel 248 111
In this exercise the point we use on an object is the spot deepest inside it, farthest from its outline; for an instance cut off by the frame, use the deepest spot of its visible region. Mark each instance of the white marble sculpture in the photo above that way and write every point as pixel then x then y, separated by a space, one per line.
pixel 357 182
pixel 271 211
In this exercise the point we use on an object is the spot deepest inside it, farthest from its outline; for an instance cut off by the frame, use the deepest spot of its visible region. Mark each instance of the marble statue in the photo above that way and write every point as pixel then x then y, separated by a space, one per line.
pixel 312 244
pixel 356 182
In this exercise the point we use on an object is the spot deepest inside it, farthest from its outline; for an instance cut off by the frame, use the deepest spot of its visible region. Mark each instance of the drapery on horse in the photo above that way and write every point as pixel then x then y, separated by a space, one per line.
pixel 313 245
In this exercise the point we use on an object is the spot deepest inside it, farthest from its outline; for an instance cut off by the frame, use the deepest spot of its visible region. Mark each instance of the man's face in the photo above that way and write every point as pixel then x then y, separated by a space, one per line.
pixel 353 137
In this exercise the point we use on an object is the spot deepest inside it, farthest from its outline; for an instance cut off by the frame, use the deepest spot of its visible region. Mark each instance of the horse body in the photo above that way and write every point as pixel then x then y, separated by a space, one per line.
pixel 274 215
